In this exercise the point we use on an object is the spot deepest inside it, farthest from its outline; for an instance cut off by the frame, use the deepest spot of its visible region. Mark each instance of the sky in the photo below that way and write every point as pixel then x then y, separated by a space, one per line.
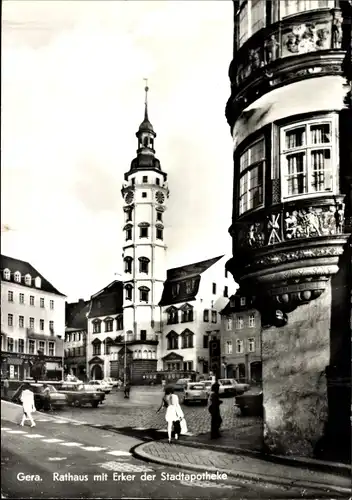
pixel 72 101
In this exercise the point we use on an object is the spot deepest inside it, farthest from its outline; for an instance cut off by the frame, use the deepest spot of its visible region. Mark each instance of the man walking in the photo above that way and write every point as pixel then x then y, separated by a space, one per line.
pixel 214 410
pixel 127 390
pixel 6 387
pixel 27 398
pixel 47 402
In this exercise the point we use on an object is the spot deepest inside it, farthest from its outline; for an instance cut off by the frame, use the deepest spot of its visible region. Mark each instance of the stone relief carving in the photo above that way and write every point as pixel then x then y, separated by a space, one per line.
pixel 305 38
pixel 255 59
pixel 308 253
pixel 271 49
pixel 274 229
pixel 337 30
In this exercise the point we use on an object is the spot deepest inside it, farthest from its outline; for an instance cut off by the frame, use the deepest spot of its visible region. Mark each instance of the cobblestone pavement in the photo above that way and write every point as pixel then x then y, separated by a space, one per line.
pixel 119 413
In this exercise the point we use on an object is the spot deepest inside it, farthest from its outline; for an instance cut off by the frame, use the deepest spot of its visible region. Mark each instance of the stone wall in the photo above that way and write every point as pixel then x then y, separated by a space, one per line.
pixel 294 383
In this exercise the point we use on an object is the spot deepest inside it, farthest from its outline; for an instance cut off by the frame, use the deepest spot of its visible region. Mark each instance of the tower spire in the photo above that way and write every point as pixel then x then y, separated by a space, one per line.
pixel 146 88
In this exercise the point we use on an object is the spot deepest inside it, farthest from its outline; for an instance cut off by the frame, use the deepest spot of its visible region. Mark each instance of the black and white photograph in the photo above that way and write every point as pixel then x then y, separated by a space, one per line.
pixel 176 249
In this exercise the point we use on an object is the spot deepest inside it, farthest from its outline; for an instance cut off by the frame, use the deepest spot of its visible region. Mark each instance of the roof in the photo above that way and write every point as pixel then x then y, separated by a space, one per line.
pixel 108 301
pixel 76 315
pixel 182 283
pixel 26 268
pixel 234 304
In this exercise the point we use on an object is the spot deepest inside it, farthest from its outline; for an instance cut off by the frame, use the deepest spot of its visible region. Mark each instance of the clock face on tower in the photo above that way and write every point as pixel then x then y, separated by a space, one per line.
pixel 160 197
pixel 129 197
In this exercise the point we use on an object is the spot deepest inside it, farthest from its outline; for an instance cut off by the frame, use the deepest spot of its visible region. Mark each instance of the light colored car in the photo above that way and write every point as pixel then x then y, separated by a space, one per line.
pixel 100 384
pixel 113 382
pixel 180 385
pixel 195 391
pixel 227 387
pixel 240 387
pixel 208 385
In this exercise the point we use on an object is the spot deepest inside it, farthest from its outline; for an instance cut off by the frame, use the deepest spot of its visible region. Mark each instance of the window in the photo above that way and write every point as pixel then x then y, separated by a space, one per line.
pixel 31 323
pixel 145 179
pixel 51 304
pixel 228 324
pixel 133 181
pixel 144 294
pixel 41 325
pixel 10 319
pixel 228 347
pixel 109 325
pixel 21 321
pixel 51 349
pixel 119 322
pixel 20 345
pixel 10 344
pixel 214 316
pixel 97 326
pixel 31 346
pixel 251 345
pixel 17 277
pixel 51 326
pixel 307 152
pixel 128 212
pixel 188 366
pixel 42 302
pixel 97 349
pixel 251 177
pixel 21 298
pixel 289 7
pixel 143 232
pixel 187 314
pixel 243 301
pixel 42 346
pixel 175 289
pixel 28 279
pixel 31 300
pixel 187 339
pixel 251 19
pixel 144 265
pixel 38 282
pixel 157 181
pixel 128 292
pixel 7 274
pixel 251 321
pixel 128 264
pixel 226 291
pixel 206 315
pixel 214 288
pixel 159 233
pixel 144 194
pixel 128 230
pixel 143 334
pixel 172 316
pixel 10 296
pixel 239 322
pixel 205 341
pixel 239 346
pixel 159 216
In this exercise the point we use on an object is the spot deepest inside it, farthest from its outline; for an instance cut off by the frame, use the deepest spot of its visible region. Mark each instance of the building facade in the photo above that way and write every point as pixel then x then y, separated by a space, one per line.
pixel 75 346
pixel 32 321
pixel 290 118
pixel 240 340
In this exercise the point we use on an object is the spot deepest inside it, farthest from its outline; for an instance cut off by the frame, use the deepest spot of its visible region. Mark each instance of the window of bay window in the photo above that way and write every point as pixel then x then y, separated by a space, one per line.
pixel 289 7
pixel 307 154
pixel 144 265
pixel 252 177
pixel 128 264
pixel 144 294
pixel 251 18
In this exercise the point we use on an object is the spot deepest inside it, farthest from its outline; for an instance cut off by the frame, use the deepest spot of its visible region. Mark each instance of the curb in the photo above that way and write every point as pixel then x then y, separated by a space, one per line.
pixel 139 452
pixel 313 464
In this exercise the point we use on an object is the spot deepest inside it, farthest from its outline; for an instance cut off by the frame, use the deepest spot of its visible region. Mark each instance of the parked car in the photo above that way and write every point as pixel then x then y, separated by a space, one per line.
pixel 180 385
pixel 208 385
pixel 240 387
pixel 195 391
pixel 227 388
pixel 101 385
pixel 113 382
pixel 57 399
pixel 250 403
pixel 80 395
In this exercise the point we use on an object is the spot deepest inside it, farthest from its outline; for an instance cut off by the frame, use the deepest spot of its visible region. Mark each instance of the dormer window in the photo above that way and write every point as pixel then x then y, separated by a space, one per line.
pixel 175 289
pixel 28 279
pixel 38 282
pixel 7 274
pixel 17 277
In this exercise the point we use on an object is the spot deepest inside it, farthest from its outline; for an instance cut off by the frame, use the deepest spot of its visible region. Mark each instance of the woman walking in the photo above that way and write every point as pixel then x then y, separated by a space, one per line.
pixel 174 414
pixel 214 410
pixel 27 398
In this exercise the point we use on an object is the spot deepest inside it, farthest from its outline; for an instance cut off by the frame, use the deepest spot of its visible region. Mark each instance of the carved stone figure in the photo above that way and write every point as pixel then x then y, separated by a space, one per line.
pixel 337 31
pixel 292 43
pixel 310 222
pixel 340 217
pixel 302 39
pixel 255 59
pixel 273 228
pixel 271 49
pixel 322 39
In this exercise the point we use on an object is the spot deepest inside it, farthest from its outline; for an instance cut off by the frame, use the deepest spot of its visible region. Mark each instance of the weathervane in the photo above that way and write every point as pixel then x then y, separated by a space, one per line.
pixel 146 88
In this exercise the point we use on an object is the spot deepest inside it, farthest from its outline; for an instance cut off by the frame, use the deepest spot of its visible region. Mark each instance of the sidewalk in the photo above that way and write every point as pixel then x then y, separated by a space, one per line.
pixel 202 459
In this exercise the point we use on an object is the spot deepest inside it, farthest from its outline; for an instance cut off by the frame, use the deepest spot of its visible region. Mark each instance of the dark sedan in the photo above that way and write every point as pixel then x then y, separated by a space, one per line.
pixel 251 403
pixel 56 399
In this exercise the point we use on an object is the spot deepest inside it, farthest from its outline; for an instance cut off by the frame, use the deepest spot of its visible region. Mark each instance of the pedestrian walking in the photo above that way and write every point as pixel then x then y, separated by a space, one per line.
pixel 127 390
pixel 27 399
pixel 47 400
pixel 6 387
pixel 174 415
pixel 214 410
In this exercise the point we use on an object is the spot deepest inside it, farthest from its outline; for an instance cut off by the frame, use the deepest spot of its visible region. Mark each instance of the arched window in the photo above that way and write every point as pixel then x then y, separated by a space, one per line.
pixel 172 340
pixel 172 315
pixel 28 279
pixel 38 282
pixel 7 274
pixel 144 294
pixel 149 354
pixel 153 355
pixel 144 229
pixel 128 291
pixel 159 231
pixel 128 214
pixel 187 339
pixel 144 265
pixel 96 347
pixel 109 324
pixel 128 228
pixel 96 326
pixel 187 313
pixel 145 354
pixel 140 354
pixel 128 264
pixel 17 276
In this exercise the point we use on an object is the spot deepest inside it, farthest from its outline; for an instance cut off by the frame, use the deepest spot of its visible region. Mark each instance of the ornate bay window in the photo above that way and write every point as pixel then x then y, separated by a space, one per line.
pixel 252 16
pixel 251 183
pixel 290 7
